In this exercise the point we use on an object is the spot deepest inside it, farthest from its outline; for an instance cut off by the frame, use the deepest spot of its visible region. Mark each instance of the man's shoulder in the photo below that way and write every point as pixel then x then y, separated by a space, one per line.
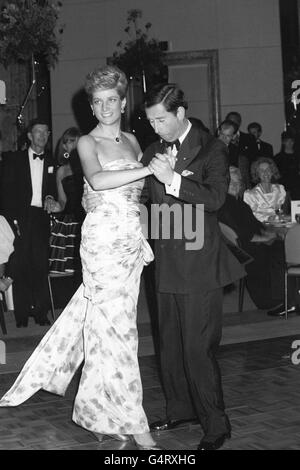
pixel 14 156
pixel 216 145
pixel 267 144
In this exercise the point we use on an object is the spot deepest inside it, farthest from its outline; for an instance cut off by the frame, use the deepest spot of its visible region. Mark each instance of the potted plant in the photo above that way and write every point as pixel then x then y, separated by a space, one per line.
pixel 140 57
pixel 29 46
pixel 29 28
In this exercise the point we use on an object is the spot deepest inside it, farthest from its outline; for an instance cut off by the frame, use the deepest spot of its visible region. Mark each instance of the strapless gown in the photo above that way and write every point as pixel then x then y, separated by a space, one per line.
pixel 98 326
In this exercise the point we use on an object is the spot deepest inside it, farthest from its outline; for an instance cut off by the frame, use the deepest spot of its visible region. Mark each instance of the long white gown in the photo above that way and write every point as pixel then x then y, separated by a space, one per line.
pixel 98 326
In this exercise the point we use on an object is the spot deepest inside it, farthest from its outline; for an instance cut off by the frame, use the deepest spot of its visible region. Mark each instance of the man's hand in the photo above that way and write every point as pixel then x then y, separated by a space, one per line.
pixel 90 200
pixel 50 204
pixel 161 165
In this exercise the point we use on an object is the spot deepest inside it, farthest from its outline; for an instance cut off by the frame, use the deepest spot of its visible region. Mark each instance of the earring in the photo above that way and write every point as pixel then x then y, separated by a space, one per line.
pixel 66 155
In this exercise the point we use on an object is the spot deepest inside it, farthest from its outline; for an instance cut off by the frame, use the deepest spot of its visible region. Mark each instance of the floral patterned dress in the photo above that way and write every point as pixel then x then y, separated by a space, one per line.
pixel 98 326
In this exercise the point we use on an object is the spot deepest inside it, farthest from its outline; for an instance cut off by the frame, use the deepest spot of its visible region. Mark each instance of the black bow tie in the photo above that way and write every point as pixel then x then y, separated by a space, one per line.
pixel 170 144
pixel 41 156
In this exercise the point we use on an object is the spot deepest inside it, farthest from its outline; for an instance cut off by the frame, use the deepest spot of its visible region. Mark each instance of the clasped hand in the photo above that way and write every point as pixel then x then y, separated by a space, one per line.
pixel 50 205
pixel 162 166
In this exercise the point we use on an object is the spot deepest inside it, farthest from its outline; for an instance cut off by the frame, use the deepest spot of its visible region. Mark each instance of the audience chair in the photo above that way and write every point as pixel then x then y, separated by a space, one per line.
pixel 3 308
pixel 244 258
pixel 292 259
pixel 55 276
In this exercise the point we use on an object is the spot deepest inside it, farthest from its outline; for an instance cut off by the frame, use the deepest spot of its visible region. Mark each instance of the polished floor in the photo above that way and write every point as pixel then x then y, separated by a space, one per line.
pixel 261 389
pixel 261 381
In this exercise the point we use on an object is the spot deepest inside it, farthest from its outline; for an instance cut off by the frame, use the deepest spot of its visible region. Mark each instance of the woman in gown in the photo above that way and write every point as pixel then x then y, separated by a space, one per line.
pixel 67 212
pixel 98 326
pixel 266 197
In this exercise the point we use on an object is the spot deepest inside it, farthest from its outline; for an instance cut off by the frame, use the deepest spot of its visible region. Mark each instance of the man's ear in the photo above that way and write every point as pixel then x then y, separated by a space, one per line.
pixel 180 113
pixel 29 135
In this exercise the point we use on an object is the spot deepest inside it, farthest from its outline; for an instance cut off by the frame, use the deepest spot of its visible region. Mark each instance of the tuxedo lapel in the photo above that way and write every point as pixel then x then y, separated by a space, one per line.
pixel 45 178
pixel 188 150
pixel 26 176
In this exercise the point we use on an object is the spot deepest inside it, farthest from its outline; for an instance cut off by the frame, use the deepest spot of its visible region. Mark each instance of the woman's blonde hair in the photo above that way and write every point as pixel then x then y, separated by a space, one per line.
pixel 107 78
pixel 255 165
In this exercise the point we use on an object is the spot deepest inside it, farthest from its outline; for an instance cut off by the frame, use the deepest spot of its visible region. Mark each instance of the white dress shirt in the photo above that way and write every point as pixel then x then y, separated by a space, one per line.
pixel 36 171
pixel 174 187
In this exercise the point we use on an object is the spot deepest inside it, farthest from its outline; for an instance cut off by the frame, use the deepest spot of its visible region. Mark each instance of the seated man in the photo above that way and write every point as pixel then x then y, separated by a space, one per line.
pixel 265 274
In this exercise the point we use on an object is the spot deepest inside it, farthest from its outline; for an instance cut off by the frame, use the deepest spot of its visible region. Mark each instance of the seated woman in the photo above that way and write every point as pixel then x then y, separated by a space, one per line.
pixel 265 274
pixel 6 249
pixel 266 197
pixel 69 214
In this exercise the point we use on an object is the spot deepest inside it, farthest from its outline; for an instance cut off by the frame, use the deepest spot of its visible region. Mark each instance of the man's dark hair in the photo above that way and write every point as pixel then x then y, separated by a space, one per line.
pixel 168 94
pixel 35 122
pixel 234 114
pixel 254 125
pixel 227 123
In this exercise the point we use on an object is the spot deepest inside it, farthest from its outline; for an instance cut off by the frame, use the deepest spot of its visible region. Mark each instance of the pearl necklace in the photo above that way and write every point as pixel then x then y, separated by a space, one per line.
pixel 118 138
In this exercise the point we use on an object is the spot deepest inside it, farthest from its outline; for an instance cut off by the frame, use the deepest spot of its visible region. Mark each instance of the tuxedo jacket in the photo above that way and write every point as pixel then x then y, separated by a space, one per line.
pixel 245 146
pixel 265 150
pixel 16 185
pixel 203 159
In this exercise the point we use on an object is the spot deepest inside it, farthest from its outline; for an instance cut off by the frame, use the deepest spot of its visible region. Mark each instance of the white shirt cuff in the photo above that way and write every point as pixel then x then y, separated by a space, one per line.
pixel 174 187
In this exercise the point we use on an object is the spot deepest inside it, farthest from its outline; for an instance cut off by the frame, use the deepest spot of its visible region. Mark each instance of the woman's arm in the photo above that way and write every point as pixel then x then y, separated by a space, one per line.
pixel 61 195
pixel 100 179
pixel 59 205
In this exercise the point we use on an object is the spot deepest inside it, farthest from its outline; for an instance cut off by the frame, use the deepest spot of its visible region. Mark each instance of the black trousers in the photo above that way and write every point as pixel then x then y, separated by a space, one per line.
pixel 265 275
pixel 29 266
pixel 190 329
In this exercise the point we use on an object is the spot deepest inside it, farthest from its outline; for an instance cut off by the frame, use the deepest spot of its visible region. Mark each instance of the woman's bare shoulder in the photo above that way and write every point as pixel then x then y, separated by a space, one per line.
pixel 86 143
pixel 87 139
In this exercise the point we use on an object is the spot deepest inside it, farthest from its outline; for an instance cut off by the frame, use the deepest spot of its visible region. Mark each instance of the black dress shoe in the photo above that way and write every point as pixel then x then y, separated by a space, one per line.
pixel 215 444
pixel 166 424
pixel 280 311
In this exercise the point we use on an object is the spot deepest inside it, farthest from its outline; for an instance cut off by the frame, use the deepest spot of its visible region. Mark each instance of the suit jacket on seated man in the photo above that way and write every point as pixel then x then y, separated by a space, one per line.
pixel 28 184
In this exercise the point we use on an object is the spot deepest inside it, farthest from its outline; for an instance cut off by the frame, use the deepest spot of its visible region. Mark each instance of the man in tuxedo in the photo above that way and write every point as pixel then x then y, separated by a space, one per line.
pixel 241 150
pixel 192 171
pixel 27 189
pixel 263 149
